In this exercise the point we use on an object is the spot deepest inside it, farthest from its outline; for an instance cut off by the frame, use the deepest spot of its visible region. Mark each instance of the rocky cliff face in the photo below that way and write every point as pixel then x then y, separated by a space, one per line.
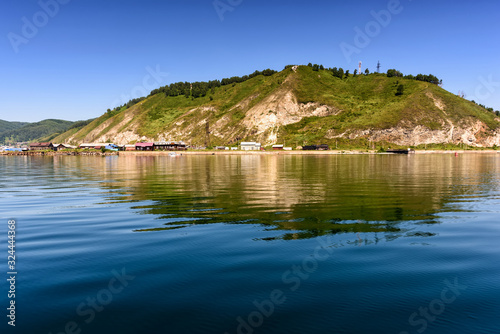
pixel 476 135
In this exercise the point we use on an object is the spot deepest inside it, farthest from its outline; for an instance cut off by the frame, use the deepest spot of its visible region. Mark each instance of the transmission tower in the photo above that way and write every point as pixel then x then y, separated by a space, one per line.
pixel 378 67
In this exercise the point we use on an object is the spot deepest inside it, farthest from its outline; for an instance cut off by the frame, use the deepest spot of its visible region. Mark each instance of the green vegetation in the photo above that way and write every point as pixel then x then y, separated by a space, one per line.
pixel 6 126
pixel 47 129
pixel 419 77
pixel 356 102
pixel 374 102
pixel 191 89
pixel 401 90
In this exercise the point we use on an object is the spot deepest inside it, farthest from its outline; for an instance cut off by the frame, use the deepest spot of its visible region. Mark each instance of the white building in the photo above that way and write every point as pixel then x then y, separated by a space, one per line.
pixel 250 146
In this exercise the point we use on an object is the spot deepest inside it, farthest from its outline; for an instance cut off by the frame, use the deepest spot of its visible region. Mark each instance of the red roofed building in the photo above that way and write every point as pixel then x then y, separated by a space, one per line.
pixel 41 146
pixel 144 146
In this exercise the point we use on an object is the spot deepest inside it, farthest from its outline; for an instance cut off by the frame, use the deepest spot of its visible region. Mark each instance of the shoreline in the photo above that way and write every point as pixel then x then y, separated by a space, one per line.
pixel 57 153
pixel 331 152
pixel 166 153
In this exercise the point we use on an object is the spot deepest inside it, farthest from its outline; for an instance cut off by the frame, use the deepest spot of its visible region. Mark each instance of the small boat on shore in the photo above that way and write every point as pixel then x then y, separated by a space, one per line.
pixel 408 151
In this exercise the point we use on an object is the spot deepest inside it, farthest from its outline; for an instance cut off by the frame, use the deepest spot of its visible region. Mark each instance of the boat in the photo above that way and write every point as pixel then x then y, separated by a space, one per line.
pixel 408 151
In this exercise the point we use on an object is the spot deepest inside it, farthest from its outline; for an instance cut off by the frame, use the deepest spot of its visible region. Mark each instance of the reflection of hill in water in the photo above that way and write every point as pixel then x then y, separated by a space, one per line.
pixel 306 196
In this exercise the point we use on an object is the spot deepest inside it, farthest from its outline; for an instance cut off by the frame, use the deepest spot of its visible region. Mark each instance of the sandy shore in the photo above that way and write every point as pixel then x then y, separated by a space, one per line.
pixel 334 152
pixel 58 153
pixel 166 153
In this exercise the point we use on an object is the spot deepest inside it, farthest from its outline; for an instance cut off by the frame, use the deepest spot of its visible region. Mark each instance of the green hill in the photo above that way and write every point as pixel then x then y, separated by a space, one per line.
pixel 43 131
pixel 299 106
pixel 7 126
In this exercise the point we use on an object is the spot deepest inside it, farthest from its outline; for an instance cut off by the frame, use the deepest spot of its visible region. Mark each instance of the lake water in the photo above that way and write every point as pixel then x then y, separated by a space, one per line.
pixel 254 244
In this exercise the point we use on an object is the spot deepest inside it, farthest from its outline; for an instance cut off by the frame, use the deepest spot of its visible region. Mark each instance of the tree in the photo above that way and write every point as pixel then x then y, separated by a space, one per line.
pixel 347 74
pixel 321 67
pixel 428 78
pixel 400 91
pixel 310 65
pixel 338 73
pixel 394 73
pixel 315 67
pixel 355 73
pixel 367 71
pixel 267 73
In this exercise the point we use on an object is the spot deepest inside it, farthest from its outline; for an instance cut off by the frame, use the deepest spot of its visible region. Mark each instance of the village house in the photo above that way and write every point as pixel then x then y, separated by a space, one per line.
pixel 170 146
pixel 96 146
pixel 144 147
pixel 41 146
pixel 278 147
pixel 250 146
pixel 112 147
pixel 59 147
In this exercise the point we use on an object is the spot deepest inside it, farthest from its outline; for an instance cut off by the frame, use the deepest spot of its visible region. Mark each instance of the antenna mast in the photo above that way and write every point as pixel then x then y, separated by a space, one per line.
pixel 378 67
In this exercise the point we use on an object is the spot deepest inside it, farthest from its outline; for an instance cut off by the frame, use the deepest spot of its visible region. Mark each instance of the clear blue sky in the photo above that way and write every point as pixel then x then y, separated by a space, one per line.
pixel 90 55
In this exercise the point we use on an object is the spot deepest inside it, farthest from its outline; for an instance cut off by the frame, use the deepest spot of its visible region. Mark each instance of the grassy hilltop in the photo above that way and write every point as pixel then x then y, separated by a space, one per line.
pixel 301 106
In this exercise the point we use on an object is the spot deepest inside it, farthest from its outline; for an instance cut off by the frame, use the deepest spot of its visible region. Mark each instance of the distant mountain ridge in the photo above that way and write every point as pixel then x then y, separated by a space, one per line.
pixel 298 106
pixel 12 132
pixel 7 126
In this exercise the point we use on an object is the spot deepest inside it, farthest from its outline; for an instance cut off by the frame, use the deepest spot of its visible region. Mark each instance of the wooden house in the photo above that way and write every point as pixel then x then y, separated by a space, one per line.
pixel 144 147
pixel 41 146
pixel 278 147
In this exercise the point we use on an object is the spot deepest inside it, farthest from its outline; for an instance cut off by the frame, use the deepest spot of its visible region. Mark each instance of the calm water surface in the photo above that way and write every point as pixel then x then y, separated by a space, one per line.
pixel 254 244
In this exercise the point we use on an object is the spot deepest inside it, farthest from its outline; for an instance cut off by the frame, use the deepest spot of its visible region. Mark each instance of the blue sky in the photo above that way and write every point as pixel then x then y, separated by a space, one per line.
pixel 86 56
